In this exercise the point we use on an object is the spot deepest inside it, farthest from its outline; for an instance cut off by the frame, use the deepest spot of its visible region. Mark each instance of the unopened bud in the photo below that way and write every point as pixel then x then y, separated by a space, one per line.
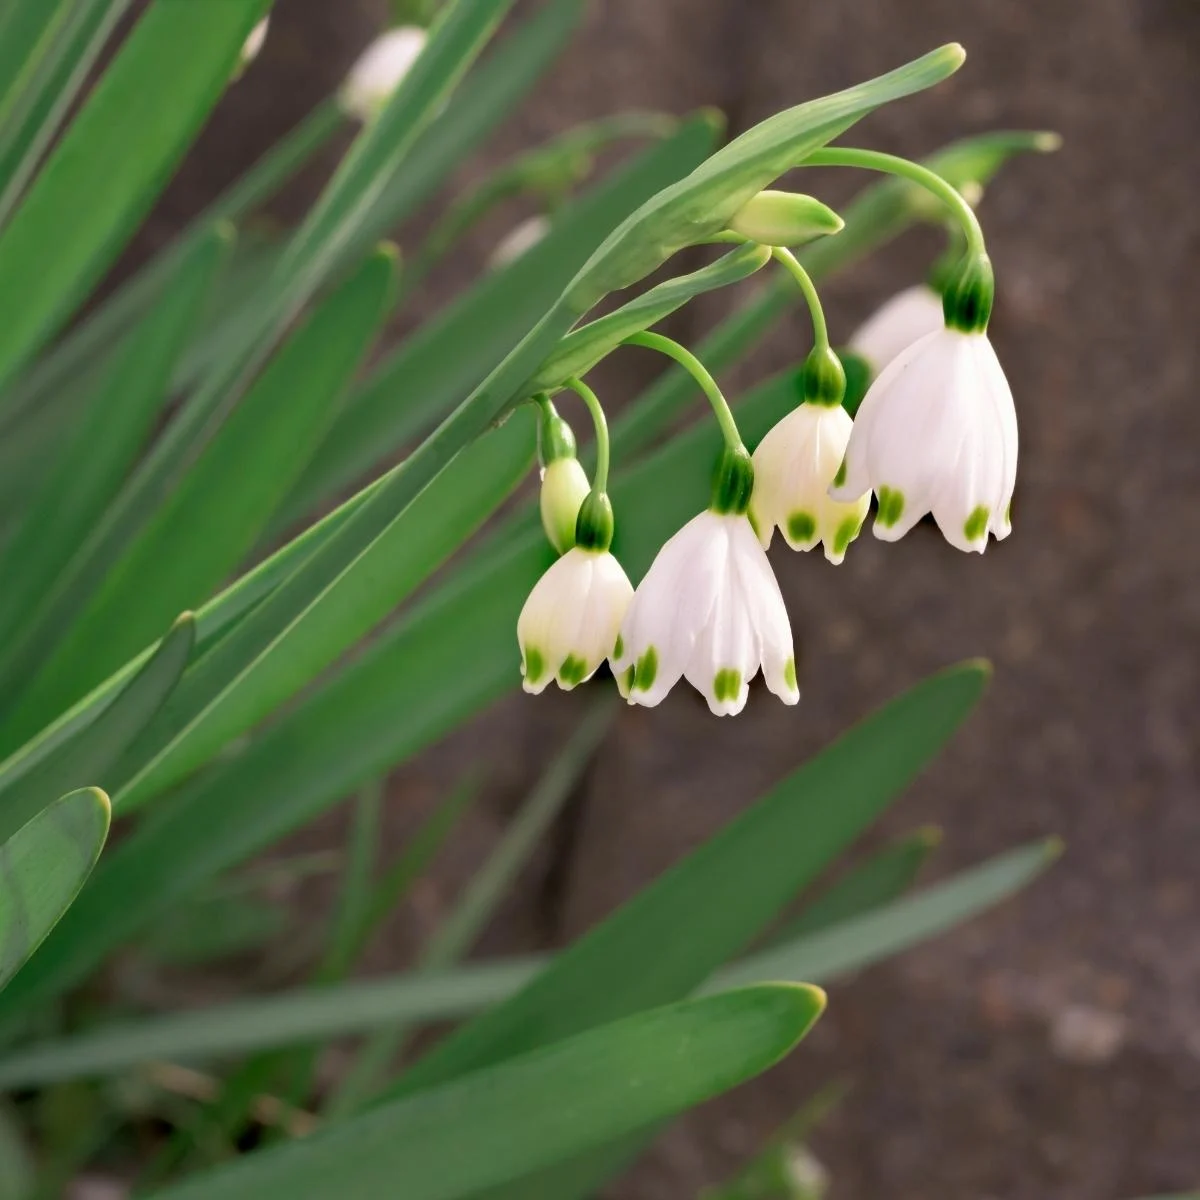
pixel 565 486
pixel 785 219
pixel 251 46
pixel 379 70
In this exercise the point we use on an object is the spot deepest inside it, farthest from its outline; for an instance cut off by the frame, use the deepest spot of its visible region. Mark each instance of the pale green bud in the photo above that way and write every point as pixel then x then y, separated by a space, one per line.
pixel 565 486
pixel 785 219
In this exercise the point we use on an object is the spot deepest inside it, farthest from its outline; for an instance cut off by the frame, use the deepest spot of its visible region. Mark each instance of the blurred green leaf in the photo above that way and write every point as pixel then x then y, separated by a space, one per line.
pixel 209 928
pixel 498 1124
pixel 135 126
pixel 451 353
pixel 60 74
pixel 49 545
pixel 78 748
pixel 17 1176
pixel 221 505
pixel 317 1014
pixel 455 936
pixel 584 347
pixel 27 30
pixel 42 867
pixel 231 689
pixel 883 877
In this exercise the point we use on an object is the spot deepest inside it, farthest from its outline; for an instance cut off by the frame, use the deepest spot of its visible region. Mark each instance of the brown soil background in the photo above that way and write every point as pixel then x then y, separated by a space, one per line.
pixel 1091 612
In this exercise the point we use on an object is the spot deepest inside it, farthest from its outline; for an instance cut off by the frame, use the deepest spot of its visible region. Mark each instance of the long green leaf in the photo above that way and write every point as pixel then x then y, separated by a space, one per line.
pixel 49 542
pixel 883 877
pixel 222 505
pixel 456 935
pixel 27 30
pixel 58 80
pixel 499 1124
pixel 316 1014
pixel 117 154
pixel 42 867
pixel 450 354
pixel 67 756
pixel 583 348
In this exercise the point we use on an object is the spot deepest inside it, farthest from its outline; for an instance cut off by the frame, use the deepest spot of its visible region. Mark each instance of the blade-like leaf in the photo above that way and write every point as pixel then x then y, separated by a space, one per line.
pixel 320 1014
pixel 583 348
pixel 27 30
pixel 223 503
pixel 118 152
pixel 68 754
pixel 883 877
pixel 42 867
pixel 499 1124
pixel 450 354
pixel 89 472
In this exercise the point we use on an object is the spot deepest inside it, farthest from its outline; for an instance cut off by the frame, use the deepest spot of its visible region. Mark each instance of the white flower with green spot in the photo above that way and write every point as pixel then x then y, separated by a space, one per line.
pixel 379 70
pixel 709 610
pixel 937 431
pixel 795 465
pixel 891 329
pixel 573 616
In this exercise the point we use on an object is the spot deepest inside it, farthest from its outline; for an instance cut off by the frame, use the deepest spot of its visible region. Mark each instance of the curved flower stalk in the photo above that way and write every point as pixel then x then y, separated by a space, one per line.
pixel 379 70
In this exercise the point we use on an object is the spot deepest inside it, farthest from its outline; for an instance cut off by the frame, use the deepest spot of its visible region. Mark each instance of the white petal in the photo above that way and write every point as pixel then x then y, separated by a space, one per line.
pixel 1001 397
pixel 907 316
pixel 727 652
pixel 379 70
pixel 764 603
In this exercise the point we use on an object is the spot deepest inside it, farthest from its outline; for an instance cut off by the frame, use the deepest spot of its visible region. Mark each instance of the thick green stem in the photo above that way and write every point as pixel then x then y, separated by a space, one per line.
pixel 891 164
pixel 804 281
pixel 699 372
pixel 585 393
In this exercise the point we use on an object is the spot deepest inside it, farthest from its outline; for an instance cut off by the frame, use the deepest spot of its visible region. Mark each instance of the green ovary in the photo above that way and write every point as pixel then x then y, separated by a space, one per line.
pixel 891 506
pixel 535 665
pixel 802 527
pixel 727 684
pixel 976 524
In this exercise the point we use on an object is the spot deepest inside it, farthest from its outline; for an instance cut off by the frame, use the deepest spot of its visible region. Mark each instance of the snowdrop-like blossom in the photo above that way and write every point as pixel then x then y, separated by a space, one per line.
pixel 710 610
pixel 571 621
pixel 906 317
pixel 378 72
pixel 522 237
pixel 937 432
pixel 794 466
pixel 254 43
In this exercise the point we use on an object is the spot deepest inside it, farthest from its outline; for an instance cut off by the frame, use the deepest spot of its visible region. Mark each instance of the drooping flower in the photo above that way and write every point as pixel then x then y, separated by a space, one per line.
pixel 709 610
pixel 907 316
pixel 571 620
pixel 937 432
pixel 520 238
pixel 796 462
pixel 379 70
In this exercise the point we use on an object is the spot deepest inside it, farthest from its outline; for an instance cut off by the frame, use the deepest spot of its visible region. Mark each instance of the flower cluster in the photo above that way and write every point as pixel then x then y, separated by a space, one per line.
pixel 936 432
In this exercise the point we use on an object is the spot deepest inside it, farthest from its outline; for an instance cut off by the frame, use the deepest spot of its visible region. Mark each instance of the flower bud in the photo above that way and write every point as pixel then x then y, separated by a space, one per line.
pixel 379 70
pixel 251 47
pixel 565 486
pixel 785 219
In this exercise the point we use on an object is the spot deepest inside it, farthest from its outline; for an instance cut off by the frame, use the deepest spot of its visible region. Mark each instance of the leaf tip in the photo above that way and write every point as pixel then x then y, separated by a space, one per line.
pixel 713 117
pixel 1053 848
pixel 955 54
pixel 1047 141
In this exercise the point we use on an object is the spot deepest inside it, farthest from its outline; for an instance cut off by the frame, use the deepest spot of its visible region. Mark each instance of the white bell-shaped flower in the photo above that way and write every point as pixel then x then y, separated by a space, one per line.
pixel 521 238
pixel 571 621
pixel 708 609
pixel 906 317
pixel 937 432
pixel 379 70
pixel 794 466
pixel 796 462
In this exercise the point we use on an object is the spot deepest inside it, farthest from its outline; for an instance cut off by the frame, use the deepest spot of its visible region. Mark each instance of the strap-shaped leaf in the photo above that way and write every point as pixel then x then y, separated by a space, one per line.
pixel 106 171
pixel 497 1125
pixel 85 746
pixel 584 347
pixel 450 354
pixel 221 506
pixel 48 548
pixel 320 1014
pixel 42 867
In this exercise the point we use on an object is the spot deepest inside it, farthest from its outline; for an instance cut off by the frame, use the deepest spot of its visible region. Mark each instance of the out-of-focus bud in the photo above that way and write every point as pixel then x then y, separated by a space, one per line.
pixel 520 238
pixel 251 46
pixel 379 70
pixel 785 219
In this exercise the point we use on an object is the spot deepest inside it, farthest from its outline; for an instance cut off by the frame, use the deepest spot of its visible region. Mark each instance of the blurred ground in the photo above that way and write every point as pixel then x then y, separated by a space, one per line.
pixel 1051 1051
